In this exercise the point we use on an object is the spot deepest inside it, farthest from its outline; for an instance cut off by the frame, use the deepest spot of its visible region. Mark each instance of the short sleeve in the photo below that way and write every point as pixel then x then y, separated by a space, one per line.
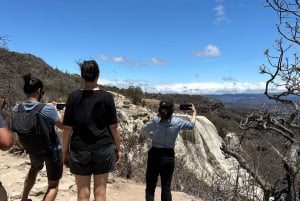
pixel 50 112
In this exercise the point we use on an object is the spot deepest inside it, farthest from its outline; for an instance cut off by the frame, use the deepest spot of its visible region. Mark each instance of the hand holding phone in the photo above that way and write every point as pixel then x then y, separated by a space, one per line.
pixel 60 106
pixel 185 106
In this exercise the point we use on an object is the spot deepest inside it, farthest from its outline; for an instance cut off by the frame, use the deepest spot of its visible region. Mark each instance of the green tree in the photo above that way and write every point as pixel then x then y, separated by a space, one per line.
pixel 135 94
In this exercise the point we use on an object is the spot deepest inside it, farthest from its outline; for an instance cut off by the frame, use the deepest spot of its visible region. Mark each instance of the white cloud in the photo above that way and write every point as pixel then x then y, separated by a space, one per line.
pixel 195 88
pixel 219 10
pixel 120 60
pixel 103 57
pixel 220 14
pixel 158 61
pixel 130 62
pixel 209 51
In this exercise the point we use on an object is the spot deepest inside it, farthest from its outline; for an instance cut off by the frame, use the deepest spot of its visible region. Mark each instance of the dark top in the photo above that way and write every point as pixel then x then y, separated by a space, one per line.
pixel 90 112
pixel 2 122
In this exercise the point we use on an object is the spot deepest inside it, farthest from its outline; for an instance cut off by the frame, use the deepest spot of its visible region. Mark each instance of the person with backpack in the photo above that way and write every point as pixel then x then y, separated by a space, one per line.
pixel 163 129
pixel 40 140
pixel 91 139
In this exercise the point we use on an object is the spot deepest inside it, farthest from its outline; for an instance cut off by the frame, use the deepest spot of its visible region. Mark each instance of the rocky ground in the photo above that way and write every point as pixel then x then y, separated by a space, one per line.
pixel 14 168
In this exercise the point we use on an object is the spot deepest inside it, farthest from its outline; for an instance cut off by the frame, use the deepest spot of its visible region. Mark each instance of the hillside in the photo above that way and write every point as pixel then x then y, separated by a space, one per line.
pixel 14 65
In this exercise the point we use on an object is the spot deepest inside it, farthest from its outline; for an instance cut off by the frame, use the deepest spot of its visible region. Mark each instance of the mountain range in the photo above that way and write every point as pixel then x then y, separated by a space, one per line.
pixel 242 100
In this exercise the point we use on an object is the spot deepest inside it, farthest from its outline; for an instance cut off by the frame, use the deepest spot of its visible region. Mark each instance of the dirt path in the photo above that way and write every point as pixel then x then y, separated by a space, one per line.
pixel 13 170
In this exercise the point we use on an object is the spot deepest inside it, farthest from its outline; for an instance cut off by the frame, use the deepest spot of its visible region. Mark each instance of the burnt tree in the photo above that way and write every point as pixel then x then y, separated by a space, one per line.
pixel 276 130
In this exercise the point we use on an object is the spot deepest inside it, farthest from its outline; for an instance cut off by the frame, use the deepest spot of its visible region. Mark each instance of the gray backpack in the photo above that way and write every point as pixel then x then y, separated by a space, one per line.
pixel 32 130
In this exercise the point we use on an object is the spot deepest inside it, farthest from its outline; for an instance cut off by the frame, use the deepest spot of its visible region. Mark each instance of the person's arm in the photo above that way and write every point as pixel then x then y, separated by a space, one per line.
pixel 6 139
pixel 149 128
pixel 51 112
pixel 194 115
pixel 117 140
pixel 59 122
pixel 66 143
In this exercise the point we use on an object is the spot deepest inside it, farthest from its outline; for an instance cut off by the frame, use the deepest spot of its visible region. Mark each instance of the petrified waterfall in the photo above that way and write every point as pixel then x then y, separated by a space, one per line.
pixel 200 148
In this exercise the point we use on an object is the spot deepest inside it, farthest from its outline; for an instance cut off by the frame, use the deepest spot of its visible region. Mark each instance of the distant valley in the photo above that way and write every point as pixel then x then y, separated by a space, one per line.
pixel 242 100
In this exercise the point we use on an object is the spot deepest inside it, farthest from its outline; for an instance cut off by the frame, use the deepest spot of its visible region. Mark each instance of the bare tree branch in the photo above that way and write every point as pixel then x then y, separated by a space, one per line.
pixel 283 123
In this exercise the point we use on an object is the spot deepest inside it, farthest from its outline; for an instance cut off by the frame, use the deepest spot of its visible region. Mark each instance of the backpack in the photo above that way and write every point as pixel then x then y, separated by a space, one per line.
pixel 32 130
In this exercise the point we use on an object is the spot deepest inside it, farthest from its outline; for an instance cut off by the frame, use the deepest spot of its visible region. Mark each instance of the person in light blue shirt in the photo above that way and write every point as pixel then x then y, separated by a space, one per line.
pixel 163 129
pixel 52 158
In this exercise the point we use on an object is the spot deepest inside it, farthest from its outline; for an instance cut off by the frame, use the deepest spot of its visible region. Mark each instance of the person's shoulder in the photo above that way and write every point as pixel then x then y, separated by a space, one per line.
pixel 48 107
pixel 155 119
pixel 74 94
pixel 178 119
pixel 49 111
pixel 103 93
pixel 77 91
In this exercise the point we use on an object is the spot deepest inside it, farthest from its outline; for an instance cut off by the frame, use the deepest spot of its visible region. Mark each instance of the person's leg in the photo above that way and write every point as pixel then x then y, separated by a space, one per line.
pixel 83 187
pixel 37 163
pixel 54 167
pixel 100 182
pixel 103 163
pixel 81 167
pixel 3 193
pixel 166 173
pixel 29 182
pixel 152 173
pixel 51 191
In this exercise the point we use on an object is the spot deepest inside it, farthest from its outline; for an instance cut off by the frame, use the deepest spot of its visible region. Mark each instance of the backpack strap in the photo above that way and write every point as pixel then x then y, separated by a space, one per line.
pixel 21 108
pixel 39 107
pixel 52 133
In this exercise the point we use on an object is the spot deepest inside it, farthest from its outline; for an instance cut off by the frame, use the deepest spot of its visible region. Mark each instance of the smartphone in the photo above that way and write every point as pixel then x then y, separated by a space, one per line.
pixel 185 106
pixel 60 106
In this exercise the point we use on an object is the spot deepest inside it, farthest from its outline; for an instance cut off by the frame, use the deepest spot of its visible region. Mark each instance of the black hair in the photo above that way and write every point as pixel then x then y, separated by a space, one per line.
pixel 89 70
pixel 166 109
pixel 31 84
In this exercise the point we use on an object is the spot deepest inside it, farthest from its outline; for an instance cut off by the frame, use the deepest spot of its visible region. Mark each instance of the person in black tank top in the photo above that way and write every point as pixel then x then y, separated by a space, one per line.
pixel 91 139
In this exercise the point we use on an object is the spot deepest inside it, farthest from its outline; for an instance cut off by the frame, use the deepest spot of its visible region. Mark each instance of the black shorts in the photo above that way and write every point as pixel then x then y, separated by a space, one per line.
pixel 53 162
pixel 95 161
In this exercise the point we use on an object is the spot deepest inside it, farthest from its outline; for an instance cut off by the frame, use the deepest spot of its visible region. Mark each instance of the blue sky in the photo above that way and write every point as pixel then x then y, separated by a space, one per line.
pixel 184 46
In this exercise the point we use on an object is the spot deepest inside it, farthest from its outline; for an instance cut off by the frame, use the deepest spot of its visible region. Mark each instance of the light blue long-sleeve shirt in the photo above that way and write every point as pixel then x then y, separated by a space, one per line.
pixel 164 134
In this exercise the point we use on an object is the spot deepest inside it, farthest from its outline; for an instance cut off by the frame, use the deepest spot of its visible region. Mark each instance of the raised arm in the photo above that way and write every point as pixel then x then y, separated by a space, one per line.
pixel 194 113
